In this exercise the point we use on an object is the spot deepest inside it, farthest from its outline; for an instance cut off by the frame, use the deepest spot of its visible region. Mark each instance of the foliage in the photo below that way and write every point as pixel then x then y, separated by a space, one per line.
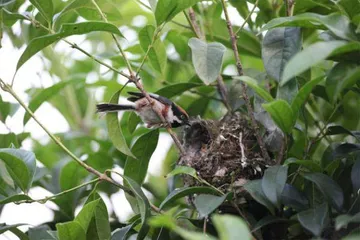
pixel 302 69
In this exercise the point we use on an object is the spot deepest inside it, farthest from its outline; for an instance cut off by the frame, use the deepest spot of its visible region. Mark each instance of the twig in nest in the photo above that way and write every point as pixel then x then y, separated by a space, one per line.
pixel 243 157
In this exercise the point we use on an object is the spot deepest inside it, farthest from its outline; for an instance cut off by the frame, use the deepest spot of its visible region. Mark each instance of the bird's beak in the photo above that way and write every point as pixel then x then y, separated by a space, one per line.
pixel 187 123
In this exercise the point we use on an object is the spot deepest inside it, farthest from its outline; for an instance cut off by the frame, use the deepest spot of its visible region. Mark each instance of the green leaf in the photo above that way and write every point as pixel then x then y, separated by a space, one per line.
pixel 291 197
pixel 230 227
pixel 37 44
pixel 337 129
pixel 133 121
pixel 40 232
pixel 157 53
pixel 167 9
pixel 143 204
pixel 70 231
pixel 309 57
pixel 94 220
pixel 206 204
pixel 343 220
pixel 343 75
pixel 255 86
pixel 143 149
pixel 278 46
pixel 176 89
pixel 282 114
pixel 122 233
pixel 114 129
pixel 21 166
pixel 355 173
pixel 207 59
pixel 180 43
pixel 9 18
pixel 254 187
pixel 273 183
pixel 338 24
pixel 266 221
pixel 329 188
pixel 309 164
pixel 74 5
pixel 182 170
pixel 14 198
pixel 45 7
pixel 315 219
pixel 185 191
pixel 43 96
pixel 303 94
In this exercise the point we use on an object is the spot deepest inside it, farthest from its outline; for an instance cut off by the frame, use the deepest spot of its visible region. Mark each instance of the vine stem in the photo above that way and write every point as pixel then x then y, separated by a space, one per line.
pixel 244 87
pixel 8 88
pixel 44 200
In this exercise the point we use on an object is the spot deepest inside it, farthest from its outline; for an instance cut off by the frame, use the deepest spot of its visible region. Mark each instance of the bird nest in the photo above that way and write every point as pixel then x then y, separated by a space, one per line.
pixel 225 153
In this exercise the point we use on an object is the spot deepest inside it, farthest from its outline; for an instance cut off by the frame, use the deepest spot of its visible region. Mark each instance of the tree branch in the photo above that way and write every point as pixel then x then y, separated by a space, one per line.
pixel 289 5
pixel 44 200
pixel 8 88
pixel 248 17
pixel 244 87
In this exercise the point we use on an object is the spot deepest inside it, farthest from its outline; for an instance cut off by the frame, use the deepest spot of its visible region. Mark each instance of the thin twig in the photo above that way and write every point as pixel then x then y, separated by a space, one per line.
pixel 7 88
pixel 44 200
pixel 244 87
pixel 113 36
pixel 248 17
pixel 242 147
pixel 289 4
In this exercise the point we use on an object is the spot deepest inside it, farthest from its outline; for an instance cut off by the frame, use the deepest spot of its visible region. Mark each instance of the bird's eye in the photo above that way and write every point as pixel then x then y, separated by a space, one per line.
pixel 182 117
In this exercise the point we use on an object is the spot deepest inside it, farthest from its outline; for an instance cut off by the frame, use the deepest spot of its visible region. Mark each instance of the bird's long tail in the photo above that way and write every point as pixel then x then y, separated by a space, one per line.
pixel 110 107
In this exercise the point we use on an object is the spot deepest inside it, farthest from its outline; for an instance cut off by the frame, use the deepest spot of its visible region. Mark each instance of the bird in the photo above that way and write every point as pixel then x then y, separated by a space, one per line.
pixel 172 113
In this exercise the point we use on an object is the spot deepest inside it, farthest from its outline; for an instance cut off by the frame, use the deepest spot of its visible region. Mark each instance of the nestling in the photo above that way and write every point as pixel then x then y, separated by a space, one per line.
pixel 172 113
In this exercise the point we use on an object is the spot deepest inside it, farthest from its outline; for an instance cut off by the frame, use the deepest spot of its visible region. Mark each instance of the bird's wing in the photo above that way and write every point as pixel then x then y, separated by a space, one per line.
pixel 137 95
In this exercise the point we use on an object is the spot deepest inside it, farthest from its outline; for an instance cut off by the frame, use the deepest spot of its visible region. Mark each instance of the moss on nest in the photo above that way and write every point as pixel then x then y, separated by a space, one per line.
pixel 225 153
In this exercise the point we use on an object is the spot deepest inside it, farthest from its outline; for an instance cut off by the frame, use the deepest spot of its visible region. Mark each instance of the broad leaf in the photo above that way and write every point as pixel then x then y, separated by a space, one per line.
pixel 157 52
pixel 176 89
pixel 114 129
pixel 309 164
pixel 133 121
pixel 182 170
pixel 37 44
pixel 355 179
pixel 343 220
pixel 207 59
pixel 343 75
pixel 315 219
pixel 303 94
pixel 254 187
pixel 206 204
pixel 337 129
pixel 43 96
pixel 282 114
pixel 255 86
pixel 338 24
pixel 273 183
pixel 292 197
pixel 309 57
pixel 21 166
pixel 70 231
pixel 329 188
pixel 9 18
pixel 279 45
pixel 167 9
pixel 230 227
pixel 122 233
pixel 40 232
pixel 45 7
pixel 185 191
pixel 14 198
pixel 143 149
pixel 266 221
pixel 94 220
pixel 143 204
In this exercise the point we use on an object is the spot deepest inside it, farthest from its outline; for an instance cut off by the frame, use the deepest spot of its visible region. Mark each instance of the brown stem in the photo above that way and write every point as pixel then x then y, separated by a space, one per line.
pixel 290 7
pixel 244 87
